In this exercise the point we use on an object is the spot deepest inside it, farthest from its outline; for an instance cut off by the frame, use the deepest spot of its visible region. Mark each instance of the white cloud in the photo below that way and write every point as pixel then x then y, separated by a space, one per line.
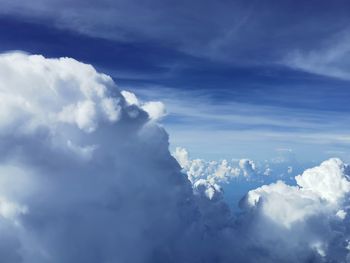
pixel 247 166
pixel 284 204
pixel 330 60
pixel 130 98
pixel 319 188
pixel 341 214
pixel 73 93
pixel 85 176
pixel 224 171
pixel 10 210
pixel 214 172
pixel 77 167
pixel 268 171
pixel 329 181
pixel 205 188
pixel 312 212
pixel 155 109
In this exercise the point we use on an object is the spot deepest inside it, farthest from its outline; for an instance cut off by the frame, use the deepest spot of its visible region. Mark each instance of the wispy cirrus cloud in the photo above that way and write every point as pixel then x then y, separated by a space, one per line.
pixel 237 32
pixel 332 59
pixel 227 128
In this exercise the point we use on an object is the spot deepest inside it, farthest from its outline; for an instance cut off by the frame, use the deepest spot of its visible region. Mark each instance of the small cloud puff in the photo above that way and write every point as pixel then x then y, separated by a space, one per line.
pixel 247 166
pixel 155 109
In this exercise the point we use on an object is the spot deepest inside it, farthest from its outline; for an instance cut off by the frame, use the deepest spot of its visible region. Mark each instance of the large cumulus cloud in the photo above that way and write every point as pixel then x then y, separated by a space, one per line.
pixel 307 222
pixel 86 176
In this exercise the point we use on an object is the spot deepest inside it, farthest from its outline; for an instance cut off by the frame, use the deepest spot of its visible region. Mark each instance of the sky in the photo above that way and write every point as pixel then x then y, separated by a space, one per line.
pixel 174 131
pixel 238 78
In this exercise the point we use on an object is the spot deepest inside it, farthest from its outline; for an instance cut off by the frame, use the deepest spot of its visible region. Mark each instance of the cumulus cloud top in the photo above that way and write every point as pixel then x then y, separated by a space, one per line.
pixel 329 180
pixel 318 189
pixel 309 218
pixel 70 92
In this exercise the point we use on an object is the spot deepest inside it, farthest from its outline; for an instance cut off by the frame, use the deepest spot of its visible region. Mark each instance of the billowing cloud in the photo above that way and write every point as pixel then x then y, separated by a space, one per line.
pixel 226 171
pixel 86 176
pixel 213 171
pixel 304 219
pixel 311 213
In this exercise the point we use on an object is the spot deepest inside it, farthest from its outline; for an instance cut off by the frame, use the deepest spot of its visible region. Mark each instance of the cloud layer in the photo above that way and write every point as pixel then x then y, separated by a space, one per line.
pixel 226 31
pixel 86 176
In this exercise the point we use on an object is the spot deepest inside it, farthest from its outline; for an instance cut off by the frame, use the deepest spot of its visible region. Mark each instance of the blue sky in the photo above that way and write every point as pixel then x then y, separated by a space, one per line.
pixel 239 78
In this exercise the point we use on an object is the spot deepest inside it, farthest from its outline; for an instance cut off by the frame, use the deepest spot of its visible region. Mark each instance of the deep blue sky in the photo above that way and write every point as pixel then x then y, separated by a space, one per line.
pixel 239 78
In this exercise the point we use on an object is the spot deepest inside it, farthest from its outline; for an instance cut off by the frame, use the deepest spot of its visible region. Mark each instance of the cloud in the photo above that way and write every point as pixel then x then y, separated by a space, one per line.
pixel 86 176
pixel 226 171
pixel 223 31
pixel 155 109
pixel 330 60
pixel 247 166
pixel 229 127
pixel 312 212
pixel 212 171
pixel 304 219
pixel 317 188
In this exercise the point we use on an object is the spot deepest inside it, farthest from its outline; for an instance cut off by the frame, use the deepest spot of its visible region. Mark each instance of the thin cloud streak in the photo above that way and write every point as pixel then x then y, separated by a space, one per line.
pixel 332 60
pixel 200 122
